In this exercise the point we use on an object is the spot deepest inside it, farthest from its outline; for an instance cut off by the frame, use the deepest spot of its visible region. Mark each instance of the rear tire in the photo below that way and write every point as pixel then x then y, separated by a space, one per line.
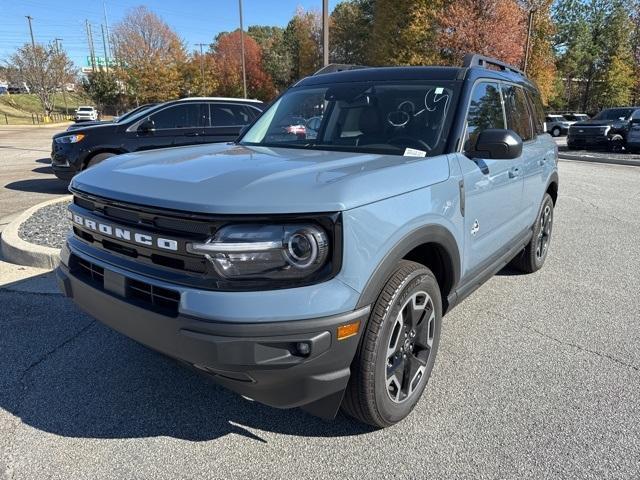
pixel 532 258
pixel 397 352
pixel 96 159
pixel 555 132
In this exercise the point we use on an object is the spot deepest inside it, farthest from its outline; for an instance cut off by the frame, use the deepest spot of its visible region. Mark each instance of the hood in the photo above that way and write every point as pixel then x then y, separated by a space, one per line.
pixel 596 123
pixel 224 178
pixel 89 126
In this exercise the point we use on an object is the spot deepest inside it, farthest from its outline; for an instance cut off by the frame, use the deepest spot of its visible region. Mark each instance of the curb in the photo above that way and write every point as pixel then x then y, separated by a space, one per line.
pixel 16 250
pixel 563 155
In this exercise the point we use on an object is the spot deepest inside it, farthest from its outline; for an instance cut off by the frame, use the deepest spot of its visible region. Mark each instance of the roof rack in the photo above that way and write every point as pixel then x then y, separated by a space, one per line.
pixel 477 60
pixel 337 67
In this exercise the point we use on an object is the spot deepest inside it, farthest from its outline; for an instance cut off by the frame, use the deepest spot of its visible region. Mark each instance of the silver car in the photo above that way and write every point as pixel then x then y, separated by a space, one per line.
pixel 557 125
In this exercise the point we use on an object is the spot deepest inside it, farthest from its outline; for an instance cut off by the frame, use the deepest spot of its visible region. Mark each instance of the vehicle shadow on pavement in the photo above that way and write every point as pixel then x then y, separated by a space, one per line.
pixel 47 170
pixel 40 185
pixel 67 374
pixel 46 161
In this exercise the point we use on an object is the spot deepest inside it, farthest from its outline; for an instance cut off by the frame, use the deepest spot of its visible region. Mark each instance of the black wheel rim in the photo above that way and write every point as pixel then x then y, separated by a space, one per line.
pixel 409 347
pixel 544 235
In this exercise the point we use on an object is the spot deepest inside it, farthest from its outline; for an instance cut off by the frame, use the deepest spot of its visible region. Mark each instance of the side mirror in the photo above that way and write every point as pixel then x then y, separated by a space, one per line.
pixel 147 126
pixel 497 144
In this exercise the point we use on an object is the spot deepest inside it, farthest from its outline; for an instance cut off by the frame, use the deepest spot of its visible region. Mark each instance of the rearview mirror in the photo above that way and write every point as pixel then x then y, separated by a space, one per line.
pixel 147 126
pixel 497 144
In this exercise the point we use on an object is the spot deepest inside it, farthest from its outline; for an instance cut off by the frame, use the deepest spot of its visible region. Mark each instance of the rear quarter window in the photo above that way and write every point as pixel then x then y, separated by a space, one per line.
pixel 517 111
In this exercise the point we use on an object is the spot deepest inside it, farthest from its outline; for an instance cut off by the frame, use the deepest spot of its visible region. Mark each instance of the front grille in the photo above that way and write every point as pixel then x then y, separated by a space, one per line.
pixel 148 296
pixel 132 215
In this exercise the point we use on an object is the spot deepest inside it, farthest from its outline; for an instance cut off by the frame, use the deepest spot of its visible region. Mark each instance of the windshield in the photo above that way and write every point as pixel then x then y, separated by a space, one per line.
pixel 135 111
pixel 408 118
pixel 614 114
pixel 85 109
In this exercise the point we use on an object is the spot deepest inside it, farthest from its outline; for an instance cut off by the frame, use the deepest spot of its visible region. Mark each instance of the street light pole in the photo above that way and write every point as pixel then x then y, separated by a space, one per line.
pixel 202 88
pixel 325 33
pixel 62 83
pixel 244 68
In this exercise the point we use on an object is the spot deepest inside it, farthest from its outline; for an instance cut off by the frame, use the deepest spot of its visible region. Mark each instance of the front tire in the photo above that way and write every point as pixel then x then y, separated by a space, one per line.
pixel 532 258
pixel 556 132
pixel 398 349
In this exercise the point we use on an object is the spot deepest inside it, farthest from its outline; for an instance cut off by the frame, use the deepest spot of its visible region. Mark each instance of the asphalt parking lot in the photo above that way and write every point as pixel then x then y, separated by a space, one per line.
pixel 537 376
pixel 25 167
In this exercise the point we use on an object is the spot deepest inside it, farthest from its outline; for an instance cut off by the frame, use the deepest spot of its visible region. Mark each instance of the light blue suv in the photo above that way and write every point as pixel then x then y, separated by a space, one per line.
pixel 310 263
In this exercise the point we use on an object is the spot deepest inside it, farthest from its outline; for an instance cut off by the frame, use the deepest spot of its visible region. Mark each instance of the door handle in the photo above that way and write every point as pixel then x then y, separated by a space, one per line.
pixel 514 172
pixel 192 134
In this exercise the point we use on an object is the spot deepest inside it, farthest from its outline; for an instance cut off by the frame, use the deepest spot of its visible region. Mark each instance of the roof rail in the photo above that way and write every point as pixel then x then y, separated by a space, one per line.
pixel 477 60
pixel 337 67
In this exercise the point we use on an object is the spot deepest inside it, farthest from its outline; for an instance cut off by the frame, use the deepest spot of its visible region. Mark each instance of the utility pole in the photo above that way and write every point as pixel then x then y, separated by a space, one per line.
pixel 202 90
pixel 62 80
pixel 90 42
pixel 325 33
pixel 106 26
pixel 244 68
pixel 527 46
pixel 104 47
pixel 33 42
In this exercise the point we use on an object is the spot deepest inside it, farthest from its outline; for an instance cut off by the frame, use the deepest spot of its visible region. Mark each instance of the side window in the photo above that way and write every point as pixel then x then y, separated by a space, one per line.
pixel 538 111
pixel 485 111
pixel 229 115
pixel 188 115
pixel 515 106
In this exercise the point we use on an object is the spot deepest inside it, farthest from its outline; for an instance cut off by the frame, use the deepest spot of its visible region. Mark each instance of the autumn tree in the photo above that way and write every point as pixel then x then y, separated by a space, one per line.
pixel 45 69
pixel 199 75
pixel 277 59
pixel 350 32
pixel 150 54
pixel 303 37
pixel 103 88
pixel 494 28
pixel 405 33
pixel 228 58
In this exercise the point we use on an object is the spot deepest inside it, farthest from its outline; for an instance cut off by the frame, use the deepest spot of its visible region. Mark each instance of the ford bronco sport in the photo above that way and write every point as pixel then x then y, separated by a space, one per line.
pixel 314 270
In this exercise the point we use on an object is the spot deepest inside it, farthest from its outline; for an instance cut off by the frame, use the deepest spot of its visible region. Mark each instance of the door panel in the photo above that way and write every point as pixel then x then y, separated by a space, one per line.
pixel 177 125
pixel 493 188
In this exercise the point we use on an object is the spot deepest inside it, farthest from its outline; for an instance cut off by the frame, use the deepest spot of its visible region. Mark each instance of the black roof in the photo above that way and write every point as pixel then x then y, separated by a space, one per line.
pixel 470 73
pixel 383 74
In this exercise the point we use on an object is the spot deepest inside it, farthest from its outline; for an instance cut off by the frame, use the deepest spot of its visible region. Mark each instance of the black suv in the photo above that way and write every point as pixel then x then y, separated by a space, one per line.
pixel 608 129
pixel 189 121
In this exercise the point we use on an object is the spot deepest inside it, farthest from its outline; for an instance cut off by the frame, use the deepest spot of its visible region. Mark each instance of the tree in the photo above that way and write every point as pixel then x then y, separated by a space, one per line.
pixel 191 78
pixel 495 28
pixel 276 57
pixel 103 88
pixel 45 69
pixel 350 32
pixel 228 59
pixel 405 33
pixel 150 54
pixel 302 37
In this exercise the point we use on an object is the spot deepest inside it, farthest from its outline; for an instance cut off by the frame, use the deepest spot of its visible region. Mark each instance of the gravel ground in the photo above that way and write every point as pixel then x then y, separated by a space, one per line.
pixel 47 227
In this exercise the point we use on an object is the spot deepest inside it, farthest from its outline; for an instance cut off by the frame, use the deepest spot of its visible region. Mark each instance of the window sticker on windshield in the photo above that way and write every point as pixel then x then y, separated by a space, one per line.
pixel 439 91
pixel 412 152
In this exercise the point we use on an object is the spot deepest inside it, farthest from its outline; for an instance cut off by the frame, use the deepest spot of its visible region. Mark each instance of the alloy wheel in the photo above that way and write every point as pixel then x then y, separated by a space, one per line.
pixel 544 236
pixel 410 346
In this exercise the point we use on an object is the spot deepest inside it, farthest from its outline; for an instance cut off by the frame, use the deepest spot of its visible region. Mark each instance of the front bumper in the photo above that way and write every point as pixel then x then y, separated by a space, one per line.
pixel 259 360
pixel 591 141
pixel 66 160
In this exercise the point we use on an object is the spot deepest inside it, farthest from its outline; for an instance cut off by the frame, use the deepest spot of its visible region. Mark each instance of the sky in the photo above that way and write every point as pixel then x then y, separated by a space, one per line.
pixel 196 21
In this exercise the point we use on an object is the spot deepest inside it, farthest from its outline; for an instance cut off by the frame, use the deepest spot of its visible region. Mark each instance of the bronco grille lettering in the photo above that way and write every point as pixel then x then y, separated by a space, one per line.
pixel 123 233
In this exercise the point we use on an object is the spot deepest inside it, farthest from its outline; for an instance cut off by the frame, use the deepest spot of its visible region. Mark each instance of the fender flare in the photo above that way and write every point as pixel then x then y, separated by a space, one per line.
pixel 427 234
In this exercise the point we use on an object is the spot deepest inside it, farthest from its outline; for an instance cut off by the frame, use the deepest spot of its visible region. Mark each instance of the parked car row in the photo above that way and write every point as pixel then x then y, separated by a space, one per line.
pixel 188 121
pixel 558 125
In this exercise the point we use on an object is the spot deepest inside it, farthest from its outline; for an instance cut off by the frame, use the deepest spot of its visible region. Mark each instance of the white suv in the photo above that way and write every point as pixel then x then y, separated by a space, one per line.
pixel 86 113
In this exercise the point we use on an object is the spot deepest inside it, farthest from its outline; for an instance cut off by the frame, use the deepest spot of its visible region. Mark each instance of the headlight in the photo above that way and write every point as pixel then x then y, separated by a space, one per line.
pixel 70 138
pixel 288 252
